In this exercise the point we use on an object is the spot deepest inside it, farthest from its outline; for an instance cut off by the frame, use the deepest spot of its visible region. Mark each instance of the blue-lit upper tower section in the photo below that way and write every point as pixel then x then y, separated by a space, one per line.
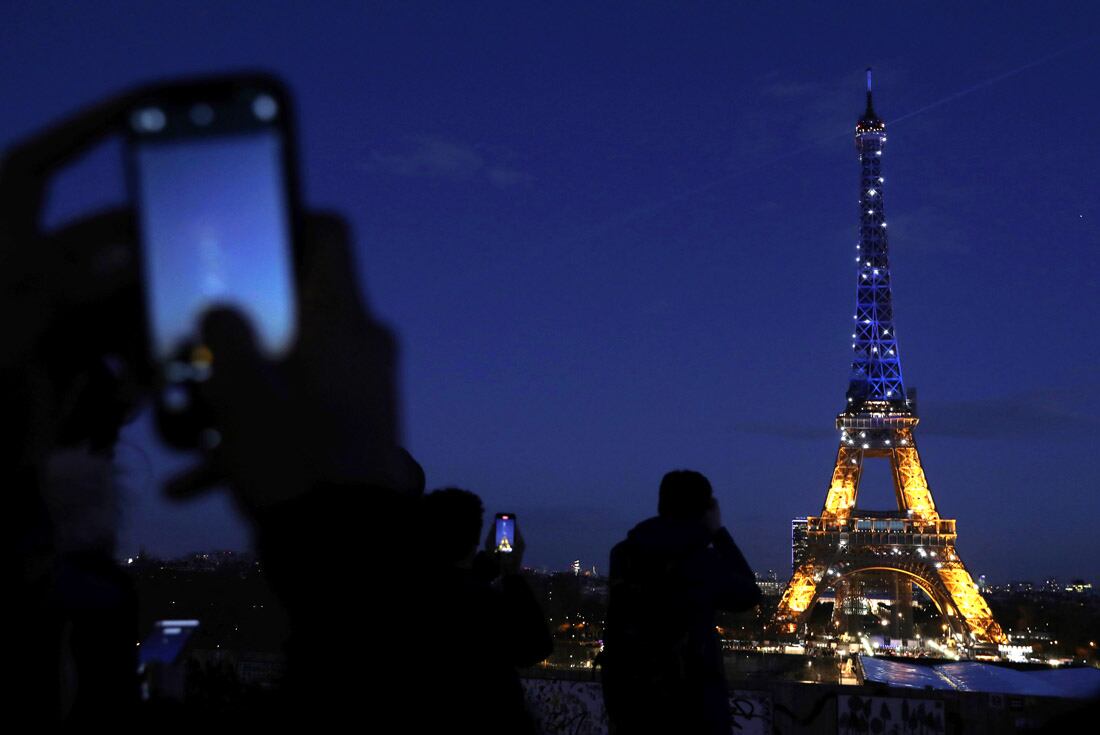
pixel 876 367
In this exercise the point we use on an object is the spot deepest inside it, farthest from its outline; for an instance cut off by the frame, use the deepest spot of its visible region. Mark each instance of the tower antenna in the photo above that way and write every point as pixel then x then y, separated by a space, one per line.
pixel 870 112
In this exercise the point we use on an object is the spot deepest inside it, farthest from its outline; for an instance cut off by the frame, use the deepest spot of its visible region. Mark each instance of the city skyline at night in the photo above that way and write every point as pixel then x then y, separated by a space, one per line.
pixel 617 244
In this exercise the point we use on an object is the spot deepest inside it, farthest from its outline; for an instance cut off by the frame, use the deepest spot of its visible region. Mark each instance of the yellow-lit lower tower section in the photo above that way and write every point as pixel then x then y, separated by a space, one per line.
pixel 912 542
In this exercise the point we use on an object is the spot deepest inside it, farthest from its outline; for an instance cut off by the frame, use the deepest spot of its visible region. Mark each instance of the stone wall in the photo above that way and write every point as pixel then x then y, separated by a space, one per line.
pixel 565 703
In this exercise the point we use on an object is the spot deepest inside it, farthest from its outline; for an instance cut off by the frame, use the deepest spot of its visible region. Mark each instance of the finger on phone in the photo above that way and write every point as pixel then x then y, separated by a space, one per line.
pixel 238 365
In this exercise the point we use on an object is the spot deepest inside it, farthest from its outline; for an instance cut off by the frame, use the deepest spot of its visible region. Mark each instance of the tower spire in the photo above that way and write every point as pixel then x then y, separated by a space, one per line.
pixel 876 365
pixel 870 113
pixel 869 119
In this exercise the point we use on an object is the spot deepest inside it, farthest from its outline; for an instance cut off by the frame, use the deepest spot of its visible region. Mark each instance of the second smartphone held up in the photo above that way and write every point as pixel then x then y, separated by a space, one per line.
pixel 505 532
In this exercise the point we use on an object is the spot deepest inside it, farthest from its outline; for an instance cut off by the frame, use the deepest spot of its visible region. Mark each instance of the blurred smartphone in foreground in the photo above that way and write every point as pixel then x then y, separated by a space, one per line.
pixel 162 659
pixel 505 532
pixel 211 172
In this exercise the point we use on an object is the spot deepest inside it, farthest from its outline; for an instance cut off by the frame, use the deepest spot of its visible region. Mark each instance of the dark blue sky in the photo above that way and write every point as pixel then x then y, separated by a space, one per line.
pixel 617 239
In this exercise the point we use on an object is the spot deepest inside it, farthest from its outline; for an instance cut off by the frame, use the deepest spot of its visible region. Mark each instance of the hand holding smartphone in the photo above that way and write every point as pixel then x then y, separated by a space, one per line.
pixel 507 543
pixel 504 533
pixel 304 393
pixel 212 173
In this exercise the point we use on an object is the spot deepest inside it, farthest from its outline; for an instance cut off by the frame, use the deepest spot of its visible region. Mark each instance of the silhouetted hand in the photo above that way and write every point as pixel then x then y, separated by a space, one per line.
pixel 327 414
pixel 70 304
pixel 485 566
pixel 513 563
pixel 712 519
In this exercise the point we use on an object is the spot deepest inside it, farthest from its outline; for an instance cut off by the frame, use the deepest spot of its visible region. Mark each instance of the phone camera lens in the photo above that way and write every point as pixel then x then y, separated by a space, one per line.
pixel 264 107
pixel 148 120
pixel 202 115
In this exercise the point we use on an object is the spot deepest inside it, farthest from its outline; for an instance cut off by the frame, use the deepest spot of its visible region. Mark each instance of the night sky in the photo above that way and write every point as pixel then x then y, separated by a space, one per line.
pixel 617 239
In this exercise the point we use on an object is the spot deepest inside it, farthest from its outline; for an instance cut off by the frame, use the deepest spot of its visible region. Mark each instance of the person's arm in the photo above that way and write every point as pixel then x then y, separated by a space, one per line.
pixel 54 290
pixel 735 588
pixel 732 579
pixel 527 633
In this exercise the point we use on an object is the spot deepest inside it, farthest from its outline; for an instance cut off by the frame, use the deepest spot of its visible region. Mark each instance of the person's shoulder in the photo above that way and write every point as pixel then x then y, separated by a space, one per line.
pixel 627 547
pixel 642 533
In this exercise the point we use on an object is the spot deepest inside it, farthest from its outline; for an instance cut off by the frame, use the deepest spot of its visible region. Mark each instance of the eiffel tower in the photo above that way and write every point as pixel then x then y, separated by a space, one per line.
pixel 914 545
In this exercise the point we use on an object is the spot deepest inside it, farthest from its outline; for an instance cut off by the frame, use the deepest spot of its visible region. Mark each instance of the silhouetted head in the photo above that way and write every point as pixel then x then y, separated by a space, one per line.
pixel 452 523
pixel 684 494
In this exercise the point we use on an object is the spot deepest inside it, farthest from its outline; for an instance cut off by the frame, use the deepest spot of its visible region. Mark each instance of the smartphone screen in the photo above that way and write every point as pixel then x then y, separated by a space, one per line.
pixel 505 532
pixel 216 230
pixel 166 641
pixel 211 173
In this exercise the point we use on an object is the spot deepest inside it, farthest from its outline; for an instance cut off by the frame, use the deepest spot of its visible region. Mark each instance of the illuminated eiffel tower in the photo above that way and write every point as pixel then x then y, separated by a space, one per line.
pixel 913 544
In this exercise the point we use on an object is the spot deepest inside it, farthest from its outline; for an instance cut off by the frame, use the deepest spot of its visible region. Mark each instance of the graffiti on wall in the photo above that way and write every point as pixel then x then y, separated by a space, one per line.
pixel 752 712
pixel 566 707
pixel 888 716
pixel 576 708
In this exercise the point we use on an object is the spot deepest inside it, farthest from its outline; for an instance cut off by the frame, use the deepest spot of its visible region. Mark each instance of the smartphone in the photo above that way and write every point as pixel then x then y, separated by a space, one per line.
pixel 162 659
pixel 505 534
pixel 212 173
pixel 166 641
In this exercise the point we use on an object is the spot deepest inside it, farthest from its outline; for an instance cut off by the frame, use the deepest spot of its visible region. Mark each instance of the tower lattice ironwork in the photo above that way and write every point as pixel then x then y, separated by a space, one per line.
pixel 913 542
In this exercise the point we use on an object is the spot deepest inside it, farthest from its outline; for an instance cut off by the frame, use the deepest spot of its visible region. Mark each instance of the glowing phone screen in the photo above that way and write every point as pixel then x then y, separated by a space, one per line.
pixel 506 533
pixel 217 232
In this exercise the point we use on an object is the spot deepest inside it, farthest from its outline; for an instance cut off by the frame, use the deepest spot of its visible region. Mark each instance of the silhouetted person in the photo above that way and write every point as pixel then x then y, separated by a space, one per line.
pixel 67 384
pixel 96 598
pixel 662 661
pixel 309 448
pixel 481 630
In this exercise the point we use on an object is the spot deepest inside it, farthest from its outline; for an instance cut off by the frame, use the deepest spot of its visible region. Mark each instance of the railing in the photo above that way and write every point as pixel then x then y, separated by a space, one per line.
pixel 856 530
pixel 781 693
pixel 876 421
